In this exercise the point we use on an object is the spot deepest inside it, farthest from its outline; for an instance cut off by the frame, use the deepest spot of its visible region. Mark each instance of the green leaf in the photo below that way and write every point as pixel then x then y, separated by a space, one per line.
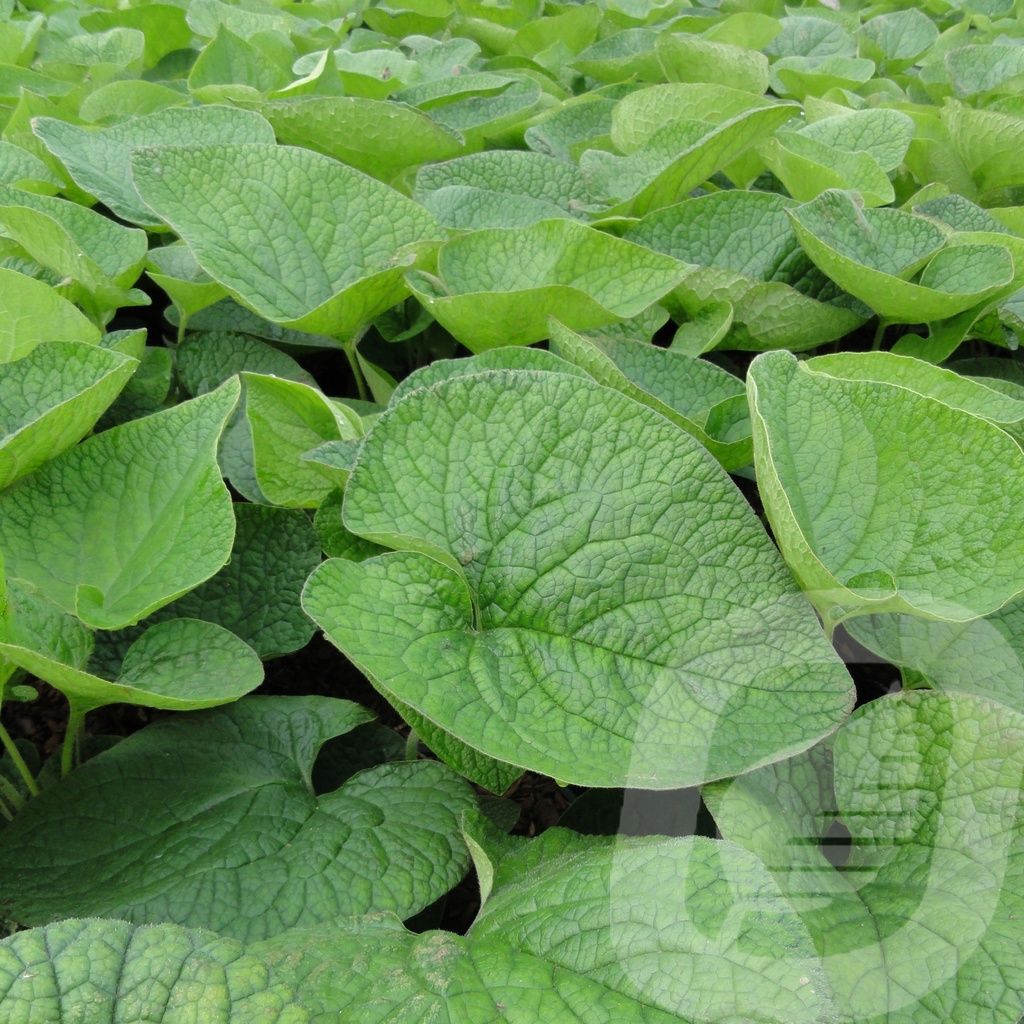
pixel 977 69
pixel 873 254
pixel 911 512
pixel 900 37
pixel 494 359
pixel 125 98
pixel 32 313
pixel 480 118
pixel 174 269
pixel 676 158
pixel 208 358
pixel 600 906
pixel 498 287
pixel 163 25
pixel 801 77
pixel 377 137
pixel 232 70
pixel 99 159
pixel 690 58
pixel 572 127
pixel 18 167
pixel 500 189
pixel 374 967
pixel 988 142
pixel 129 519
pixel 929 785
pixel 983 656
pixel 692 393
pixel 332 240
pixel 274 855
pixel 806 35
pixel 287 420
pixel 99 258
pixel 256 595
pixel 501 611
pixel 51 398
pixel 744 251
pixel 94 970
pixel 180 665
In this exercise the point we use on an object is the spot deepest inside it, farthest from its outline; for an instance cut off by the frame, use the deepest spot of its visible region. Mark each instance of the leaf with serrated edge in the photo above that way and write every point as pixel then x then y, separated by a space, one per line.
pixel 620 563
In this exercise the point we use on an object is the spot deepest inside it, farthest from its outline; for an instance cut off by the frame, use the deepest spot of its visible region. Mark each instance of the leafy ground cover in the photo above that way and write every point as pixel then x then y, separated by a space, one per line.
pixel 627 391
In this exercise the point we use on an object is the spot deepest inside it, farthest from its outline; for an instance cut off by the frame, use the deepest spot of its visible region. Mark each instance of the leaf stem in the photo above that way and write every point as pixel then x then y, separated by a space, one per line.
pixel 18 761
pixel 412 746
pixel 353 362
pixel 11 794
pixel 876 344
pixel 70 753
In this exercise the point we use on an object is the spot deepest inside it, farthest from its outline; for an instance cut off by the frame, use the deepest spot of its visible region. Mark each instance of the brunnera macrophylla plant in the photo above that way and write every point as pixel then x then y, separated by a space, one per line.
pixel 592 377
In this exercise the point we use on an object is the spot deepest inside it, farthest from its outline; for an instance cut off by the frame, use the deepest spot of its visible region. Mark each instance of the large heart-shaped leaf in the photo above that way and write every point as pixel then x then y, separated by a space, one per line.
pixel 745 252
pixel 630 559
pixel 925 922
pixel 274 855
pixel 99 159
pixel 498 287
pixel 179 665
pixel 128 520
pixel 97 971
pixel 913 511
pixel 49 400
pixel 298 237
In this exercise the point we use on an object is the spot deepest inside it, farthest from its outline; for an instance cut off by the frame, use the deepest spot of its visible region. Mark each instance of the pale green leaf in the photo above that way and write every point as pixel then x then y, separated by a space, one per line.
pixel 18 167
pixel 208 358
pixel 498 287
pixel 885 499
pixel 129 519
pixel 502 611
pixel 330 241
pixel 691 58
pixel 179 665
pixel 99 159
pixel 50 399
pixel 32 313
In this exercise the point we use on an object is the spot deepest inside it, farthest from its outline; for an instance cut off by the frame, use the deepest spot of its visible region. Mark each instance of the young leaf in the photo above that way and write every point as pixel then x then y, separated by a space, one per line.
pixel 330 239
pixel 376 137
pixel 50 399
pixel 873 253
pixel 180 665
pixel 31 312
pixel 274 854
pixel 620 563
pixel 99 159
pixel 743 250
pixel 498 287
pixel 208 358
pixel 128 520
pixel 911 512
pixel 98 970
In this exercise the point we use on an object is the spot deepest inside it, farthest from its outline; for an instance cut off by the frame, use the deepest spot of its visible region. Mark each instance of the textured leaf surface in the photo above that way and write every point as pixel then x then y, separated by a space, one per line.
pixel 129 519
pixel 375 970
pixel 104 972
pixel 272 855
pixel 49 400
pixel 181 665
pixel 498 287
pixel 296 236
pixel 691 926
pixel 884 499
pixel 499 616
pixel 696 395
pixel 31 313
pixel 99 159
pixel 925 922
pixel 873 253
pixel 208 358
pixel 745 252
